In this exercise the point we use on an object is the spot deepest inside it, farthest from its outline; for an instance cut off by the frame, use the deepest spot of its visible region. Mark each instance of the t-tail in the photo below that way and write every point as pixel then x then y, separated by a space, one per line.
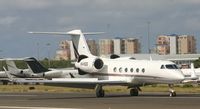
pixel 78 39
pixel 35 66
pixel 12 66
pixel 86 62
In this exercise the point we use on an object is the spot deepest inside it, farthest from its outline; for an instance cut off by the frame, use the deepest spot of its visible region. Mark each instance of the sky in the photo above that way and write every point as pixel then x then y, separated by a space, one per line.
pixel 117 18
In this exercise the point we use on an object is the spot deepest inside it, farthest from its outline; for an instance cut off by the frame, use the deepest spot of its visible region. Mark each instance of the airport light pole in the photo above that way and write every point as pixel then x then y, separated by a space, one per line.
pixel 38 50
pixel 49 63
pixel 148 36
pixel 1 61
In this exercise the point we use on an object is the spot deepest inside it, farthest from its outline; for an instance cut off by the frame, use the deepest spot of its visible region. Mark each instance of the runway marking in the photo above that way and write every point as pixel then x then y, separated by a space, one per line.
pixel 18 107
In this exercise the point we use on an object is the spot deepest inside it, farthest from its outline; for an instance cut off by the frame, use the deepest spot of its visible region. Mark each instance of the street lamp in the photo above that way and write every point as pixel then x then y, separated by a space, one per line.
pixel 38 54
pixel 148 38
pixel 48 45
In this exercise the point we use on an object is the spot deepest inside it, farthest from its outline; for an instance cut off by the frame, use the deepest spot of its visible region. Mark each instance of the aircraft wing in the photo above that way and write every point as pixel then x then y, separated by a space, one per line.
pixel 70 81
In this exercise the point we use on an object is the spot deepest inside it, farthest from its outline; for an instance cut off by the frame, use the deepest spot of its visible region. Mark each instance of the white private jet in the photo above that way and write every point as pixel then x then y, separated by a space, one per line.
pixel 103 71
pixel 37 70
pixel 192 75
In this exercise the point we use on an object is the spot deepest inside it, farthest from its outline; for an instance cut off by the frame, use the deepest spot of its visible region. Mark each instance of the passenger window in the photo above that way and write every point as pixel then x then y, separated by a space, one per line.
pixel 115 69
pixel 143 70
pixel 126 69
pixel 131 69
pixel 120 69
pixel 137 70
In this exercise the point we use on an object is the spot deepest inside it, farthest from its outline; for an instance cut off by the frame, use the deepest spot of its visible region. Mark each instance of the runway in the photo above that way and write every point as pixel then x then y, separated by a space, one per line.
pixel 89 101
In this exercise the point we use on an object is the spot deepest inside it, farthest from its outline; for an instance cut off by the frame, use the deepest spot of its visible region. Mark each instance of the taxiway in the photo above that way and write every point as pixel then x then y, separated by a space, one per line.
pixel 89 101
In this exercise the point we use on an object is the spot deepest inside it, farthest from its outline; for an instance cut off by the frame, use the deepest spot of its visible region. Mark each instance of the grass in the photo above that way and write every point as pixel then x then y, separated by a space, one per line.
pixel 108 89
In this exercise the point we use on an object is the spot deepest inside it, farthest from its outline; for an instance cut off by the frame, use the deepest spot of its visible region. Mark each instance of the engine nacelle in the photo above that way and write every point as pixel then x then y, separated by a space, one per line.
pixel 52 74
pixel 90 65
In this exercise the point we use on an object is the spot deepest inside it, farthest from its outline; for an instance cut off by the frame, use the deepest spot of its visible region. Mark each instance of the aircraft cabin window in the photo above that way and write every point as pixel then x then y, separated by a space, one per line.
pixel 126 69
pixel 115 69
pixel 120 69
pixel 162 67
pixel 137 70
pixel 143 70
pixel 131 69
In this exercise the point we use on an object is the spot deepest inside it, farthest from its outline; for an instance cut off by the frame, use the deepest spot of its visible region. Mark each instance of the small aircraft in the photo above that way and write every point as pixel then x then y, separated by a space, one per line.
pixel 37 70
pixel 116 71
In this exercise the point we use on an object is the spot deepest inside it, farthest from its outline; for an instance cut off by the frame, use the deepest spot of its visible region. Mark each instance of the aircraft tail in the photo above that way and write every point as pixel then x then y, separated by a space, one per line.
pixel 78 39
pixel 12 66
pixel 35 66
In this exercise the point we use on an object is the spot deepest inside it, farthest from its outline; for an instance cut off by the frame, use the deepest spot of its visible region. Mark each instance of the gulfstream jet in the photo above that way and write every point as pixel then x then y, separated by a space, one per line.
pixel 105 71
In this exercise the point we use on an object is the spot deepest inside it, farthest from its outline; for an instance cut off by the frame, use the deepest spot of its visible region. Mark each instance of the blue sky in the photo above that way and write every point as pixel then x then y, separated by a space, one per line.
pixel 118 18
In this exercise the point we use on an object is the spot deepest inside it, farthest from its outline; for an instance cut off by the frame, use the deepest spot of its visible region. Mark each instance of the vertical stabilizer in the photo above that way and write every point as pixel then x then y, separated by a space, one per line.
pixel 11 66
pixel 79 43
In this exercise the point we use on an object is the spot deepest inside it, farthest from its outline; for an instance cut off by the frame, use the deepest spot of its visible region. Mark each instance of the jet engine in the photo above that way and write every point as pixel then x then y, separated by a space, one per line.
pixel 90 65
pixel 52 74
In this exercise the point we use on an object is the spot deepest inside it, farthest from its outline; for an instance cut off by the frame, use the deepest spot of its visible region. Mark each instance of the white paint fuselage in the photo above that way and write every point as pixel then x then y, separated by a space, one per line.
pixel 139 71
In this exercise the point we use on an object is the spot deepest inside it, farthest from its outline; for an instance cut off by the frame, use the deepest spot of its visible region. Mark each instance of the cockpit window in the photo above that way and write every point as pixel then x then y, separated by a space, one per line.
pixel 162 67
pixel 171 66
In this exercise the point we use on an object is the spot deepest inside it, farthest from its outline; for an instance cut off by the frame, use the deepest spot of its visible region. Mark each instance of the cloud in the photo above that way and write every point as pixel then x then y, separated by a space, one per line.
pixel 124 17
pixel 24 4
pixel 7 21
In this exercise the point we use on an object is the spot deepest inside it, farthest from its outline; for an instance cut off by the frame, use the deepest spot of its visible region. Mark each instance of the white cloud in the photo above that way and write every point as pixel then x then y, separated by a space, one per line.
pixel 7 21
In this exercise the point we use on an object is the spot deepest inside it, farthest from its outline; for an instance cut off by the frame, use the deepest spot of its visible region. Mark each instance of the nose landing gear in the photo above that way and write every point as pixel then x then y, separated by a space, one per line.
pixel 172 92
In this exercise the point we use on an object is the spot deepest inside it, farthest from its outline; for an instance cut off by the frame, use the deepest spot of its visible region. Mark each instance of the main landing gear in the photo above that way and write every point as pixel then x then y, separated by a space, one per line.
pixel 134 91
pixel 172 92
pixel 99 91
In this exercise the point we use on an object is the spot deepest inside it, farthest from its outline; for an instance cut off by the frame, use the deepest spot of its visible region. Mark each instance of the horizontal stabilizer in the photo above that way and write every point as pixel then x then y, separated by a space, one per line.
pixel 73 32
pixel 70 81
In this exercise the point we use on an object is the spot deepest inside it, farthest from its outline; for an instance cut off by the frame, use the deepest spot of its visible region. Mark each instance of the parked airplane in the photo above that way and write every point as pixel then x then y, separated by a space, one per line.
pixel 127 72
pixel 3 78
pixel 39 69
pixel 192 74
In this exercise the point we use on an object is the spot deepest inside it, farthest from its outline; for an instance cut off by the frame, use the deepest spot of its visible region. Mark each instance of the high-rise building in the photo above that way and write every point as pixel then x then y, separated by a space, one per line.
pixel 130 46
pixel 186 44
pixel 163 46
pixel 106 46
pixel 175 44
pixel 117 45
pixel 64 51
pixel 92 46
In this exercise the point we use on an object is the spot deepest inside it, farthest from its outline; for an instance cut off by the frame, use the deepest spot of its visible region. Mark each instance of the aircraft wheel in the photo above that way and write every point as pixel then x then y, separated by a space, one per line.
pixel 100 93
pixel 172 94
pixel 134 92
pixel 5 83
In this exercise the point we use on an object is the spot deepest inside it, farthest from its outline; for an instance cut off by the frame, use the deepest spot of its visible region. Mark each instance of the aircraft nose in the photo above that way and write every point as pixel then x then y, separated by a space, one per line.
pixel 179 76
